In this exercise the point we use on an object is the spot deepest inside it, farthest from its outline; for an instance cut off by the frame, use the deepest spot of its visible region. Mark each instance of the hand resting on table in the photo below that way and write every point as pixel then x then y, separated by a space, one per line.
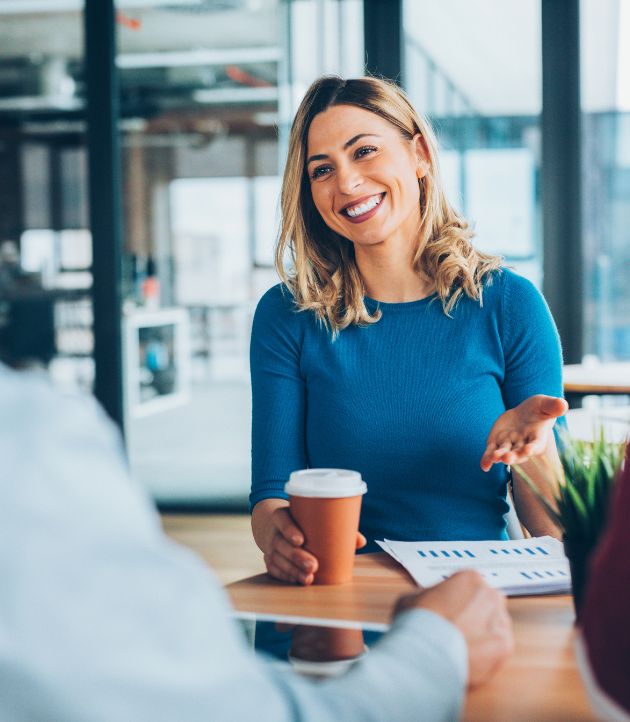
pixel 280 540
pixel 480 614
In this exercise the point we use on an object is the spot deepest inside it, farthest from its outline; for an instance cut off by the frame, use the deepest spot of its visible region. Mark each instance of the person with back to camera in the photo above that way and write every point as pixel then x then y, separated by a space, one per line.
pixel 603 640
pixel 103 619
pixel 393 346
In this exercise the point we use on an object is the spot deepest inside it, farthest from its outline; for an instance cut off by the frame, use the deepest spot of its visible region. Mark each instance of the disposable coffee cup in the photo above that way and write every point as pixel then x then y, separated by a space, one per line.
pixel 326 505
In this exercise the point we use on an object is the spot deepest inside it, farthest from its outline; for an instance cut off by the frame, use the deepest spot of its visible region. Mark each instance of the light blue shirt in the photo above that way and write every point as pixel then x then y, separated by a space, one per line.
pixel 102 618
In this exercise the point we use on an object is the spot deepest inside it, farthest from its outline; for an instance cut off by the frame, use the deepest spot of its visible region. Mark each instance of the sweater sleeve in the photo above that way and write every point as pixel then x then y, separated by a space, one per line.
pixel 417 672
pixel 278 394
pixel 604 706
pixel 531 345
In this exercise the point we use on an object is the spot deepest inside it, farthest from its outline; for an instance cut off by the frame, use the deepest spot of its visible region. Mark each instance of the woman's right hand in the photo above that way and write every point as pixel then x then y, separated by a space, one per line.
pixel 280 540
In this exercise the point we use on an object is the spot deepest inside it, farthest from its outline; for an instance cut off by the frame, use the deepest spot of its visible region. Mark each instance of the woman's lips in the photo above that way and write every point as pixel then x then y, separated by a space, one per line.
pixel 364 216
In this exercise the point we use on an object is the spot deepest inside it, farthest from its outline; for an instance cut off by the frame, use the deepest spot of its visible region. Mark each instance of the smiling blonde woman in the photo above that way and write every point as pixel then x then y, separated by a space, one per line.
pixel 324 277
pixel 392 346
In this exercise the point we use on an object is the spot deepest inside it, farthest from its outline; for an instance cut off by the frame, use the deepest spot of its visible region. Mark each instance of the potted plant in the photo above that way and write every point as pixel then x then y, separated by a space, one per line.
pixel 580 494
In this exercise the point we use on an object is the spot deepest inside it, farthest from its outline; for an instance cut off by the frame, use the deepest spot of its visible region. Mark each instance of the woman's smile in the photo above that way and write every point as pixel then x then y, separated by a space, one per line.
pixel 364 176
pixel 363 209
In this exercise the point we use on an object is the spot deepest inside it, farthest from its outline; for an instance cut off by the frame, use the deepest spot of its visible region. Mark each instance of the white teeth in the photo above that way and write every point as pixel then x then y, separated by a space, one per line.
pixel 364 207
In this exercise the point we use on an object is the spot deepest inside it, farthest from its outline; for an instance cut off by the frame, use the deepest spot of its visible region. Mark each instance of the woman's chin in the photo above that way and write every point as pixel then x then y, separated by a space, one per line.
pixel 367 238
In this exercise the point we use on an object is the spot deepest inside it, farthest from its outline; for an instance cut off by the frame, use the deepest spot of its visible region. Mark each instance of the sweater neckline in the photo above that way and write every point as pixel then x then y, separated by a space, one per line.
pixel 373 305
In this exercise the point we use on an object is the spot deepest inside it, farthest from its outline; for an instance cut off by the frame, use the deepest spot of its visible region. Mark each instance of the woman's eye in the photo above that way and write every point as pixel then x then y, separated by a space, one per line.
pixel 320 171
pixel 364 150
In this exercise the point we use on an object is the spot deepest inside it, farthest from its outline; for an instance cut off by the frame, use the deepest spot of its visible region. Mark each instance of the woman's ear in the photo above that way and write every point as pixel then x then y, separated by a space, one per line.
pixel 422 154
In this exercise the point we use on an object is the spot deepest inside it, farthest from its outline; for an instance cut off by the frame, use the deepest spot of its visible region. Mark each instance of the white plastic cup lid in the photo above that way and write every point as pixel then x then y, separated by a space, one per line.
pixel 325 483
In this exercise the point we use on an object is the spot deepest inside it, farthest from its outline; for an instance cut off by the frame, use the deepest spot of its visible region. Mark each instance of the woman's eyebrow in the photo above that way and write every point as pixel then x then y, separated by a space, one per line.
pixel 346 145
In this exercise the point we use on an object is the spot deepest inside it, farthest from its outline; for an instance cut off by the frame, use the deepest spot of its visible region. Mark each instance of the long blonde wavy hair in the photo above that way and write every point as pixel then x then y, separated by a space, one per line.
pixel 323 275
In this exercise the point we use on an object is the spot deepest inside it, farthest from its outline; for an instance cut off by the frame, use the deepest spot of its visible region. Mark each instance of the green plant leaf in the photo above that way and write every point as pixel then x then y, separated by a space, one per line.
pixel 581 490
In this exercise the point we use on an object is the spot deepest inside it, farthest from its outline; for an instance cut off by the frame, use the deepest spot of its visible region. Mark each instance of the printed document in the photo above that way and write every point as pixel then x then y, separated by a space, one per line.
pixel 518 566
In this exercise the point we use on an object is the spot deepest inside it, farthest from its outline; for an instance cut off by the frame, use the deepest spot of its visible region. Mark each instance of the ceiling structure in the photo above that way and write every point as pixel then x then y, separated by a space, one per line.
pixel 172 54
pixel 491 51
pixel 218 54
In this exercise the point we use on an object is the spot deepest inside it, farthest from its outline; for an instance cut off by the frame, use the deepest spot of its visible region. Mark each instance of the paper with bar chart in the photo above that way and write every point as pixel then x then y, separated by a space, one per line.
pixel 518 566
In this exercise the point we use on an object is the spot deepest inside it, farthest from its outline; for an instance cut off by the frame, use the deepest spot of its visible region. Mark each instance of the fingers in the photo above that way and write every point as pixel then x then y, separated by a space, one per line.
pixel 483 620
pixel 361 541
pixel 500 452
pixel 480 614
pixel 514 448
pixel 551 406
pixel 488 457
pixel 518 454
pixel 522 432
pixel 464 583
pixel 284 524
pixel 448 598
pixel 289 563
pixel 489 636
pixel 283 569
pixel 502 441
pixel 284 558
pixel 540 408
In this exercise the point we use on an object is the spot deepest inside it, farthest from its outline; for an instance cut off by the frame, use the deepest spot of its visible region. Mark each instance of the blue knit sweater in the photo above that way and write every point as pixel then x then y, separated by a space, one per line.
pixel 408 401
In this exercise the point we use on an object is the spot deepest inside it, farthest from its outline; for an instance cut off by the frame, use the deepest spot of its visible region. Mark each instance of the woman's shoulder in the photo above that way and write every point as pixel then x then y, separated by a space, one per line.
pixel 278 308
pixel 505 286
pixel 277 299
pixel 278 322
pixel 520 306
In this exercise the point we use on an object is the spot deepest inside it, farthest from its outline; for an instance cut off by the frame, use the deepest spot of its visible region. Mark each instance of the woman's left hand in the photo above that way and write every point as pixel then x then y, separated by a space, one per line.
pixel 522 432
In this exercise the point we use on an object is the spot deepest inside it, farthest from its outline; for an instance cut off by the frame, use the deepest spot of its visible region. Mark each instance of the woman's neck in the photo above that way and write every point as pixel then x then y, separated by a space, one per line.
pixel 389 276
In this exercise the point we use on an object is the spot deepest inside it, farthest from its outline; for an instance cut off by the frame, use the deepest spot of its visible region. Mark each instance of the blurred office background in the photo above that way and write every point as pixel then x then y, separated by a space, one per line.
pixel 202 96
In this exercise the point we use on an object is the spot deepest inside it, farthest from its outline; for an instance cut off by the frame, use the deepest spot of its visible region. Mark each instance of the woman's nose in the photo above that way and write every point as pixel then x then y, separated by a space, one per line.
pixel 348 179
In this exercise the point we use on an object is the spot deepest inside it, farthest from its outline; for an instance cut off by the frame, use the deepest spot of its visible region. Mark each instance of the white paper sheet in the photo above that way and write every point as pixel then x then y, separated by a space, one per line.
pixel 518 566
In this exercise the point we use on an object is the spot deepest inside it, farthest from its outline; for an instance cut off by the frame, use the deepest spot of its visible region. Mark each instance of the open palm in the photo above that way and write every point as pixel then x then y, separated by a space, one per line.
pixel 522 432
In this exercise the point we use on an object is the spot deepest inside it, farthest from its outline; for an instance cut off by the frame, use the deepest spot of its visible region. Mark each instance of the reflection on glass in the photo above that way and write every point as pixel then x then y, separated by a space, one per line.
pixel 312 649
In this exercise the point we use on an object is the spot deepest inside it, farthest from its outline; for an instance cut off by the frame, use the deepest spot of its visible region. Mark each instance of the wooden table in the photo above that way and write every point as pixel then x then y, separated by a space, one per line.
pixel 596 378
pixel 539 683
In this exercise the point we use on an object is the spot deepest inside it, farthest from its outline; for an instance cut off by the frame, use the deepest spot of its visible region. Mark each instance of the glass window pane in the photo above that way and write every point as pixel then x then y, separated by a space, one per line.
pixel 479 81
pixel 605 39
pixel 207 92
pixel 45 244
pixel 267 217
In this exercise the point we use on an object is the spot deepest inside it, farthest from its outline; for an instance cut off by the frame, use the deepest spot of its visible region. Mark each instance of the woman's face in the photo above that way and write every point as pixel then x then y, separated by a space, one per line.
pixel 364 175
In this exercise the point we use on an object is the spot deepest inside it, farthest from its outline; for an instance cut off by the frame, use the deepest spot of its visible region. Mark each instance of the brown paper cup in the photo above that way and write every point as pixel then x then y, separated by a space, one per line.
pixel 330 530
